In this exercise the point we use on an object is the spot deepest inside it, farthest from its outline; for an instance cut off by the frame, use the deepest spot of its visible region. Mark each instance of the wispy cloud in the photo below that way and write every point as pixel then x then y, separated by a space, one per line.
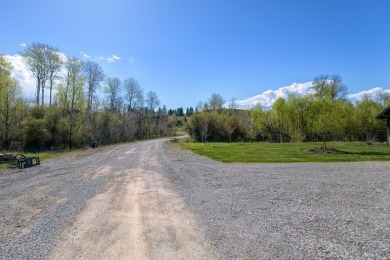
pixel 113 58
pixel 23 45
pixel 85 55
pixel 110 59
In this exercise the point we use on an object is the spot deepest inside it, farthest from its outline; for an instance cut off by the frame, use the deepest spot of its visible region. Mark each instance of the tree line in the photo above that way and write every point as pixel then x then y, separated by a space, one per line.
pixel 180 111
pixel 323 116
pixel 84 107
pixel 89 108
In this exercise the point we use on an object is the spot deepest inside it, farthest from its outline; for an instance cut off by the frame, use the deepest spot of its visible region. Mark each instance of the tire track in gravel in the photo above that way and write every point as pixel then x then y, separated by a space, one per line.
pixel 111 204
pixel 139 218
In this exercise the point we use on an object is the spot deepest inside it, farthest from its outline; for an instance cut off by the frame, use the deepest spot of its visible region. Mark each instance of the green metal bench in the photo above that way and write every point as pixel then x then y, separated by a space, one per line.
pixel 21 161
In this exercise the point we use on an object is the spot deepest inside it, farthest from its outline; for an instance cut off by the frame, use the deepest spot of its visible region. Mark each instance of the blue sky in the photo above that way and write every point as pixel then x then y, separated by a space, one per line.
pixel 187 50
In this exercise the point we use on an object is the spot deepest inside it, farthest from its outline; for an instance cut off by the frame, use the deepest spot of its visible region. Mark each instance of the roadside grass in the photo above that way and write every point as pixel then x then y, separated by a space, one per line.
pixel 44 155
pixel 288 152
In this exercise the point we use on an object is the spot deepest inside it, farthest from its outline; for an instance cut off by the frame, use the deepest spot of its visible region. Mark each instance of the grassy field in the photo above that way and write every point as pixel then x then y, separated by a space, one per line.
pixel 288 152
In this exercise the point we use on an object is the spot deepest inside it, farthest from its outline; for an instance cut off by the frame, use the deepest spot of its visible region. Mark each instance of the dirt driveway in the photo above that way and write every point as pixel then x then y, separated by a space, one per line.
pixel 149 201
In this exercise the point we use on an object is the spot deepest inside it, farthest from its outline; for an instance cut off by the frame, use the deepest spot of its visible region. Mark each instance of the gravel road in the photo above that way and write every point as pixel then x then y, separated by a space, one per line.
pixel 150 200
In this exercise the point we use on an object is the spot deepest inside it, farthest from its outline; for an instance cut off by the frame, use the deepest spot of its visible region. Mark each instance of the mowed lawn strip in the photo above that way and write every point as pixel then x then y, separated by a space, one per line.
pixel 288 152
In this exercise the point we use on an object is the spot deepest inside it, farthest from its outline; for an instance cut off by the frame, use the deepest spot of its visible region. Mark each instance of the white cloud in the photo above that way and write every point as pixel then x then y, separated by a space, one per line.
pixel 113 58
pixel 85 55
pixel 371 93
pixel 268 98
pixel 26 78
pixel 110 59
pixel 62 56
pixel 23 45
pixel 21 72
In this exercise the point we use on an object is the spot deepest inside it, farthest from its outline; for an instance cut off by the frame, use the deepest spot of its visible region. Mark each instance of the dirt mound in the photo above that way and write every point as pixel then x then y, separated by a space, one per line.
pixel 326 150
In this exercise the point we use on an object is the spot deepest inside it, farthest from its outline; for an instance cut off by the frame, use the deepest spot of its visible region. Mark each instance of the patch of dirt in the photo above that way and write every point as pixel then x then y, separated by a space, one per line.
pixel 139 218
pixel 326 150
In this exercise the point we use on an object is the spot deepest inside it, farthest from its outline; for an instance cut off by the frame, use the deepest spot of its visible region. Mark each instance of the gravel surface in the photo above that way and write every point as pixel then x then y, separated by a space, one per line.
pixel 244 211
pixel 37 204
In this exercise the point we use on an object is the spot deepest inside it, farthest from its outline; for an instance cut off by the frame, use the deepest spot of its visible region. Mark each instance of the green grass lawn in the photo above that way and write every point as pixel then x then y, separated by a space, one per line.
pixel 288 152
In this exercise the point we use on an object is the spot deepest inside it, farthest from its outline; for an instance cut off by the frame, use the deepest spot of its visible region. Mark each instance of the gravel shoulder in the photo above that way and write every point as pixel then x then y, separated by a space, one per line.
pixel 148 200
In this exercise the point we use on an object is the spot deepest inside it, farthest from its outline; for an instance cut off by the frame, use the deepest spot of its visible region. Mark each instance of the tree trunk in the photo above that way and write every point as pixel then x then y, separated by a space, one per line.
pixel 324 140
pixel 50 91
pixel 38 91
pixel 43 94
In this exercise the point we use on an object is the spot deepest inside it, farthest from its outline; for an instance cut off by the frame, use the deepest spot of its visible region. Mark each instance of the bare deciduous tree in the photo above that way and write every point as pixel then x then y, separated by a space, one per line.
pixel 34 60
pixel 231 126
pixel 232 106
pixel 94 75
pixel 199 107
pixel 113 89
pixel 41 59
pixel 134 94
pixel 329 87
pixel 205 127
pixel 54 63
pixel 337 89
pixel 216 102
pixel 152 101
